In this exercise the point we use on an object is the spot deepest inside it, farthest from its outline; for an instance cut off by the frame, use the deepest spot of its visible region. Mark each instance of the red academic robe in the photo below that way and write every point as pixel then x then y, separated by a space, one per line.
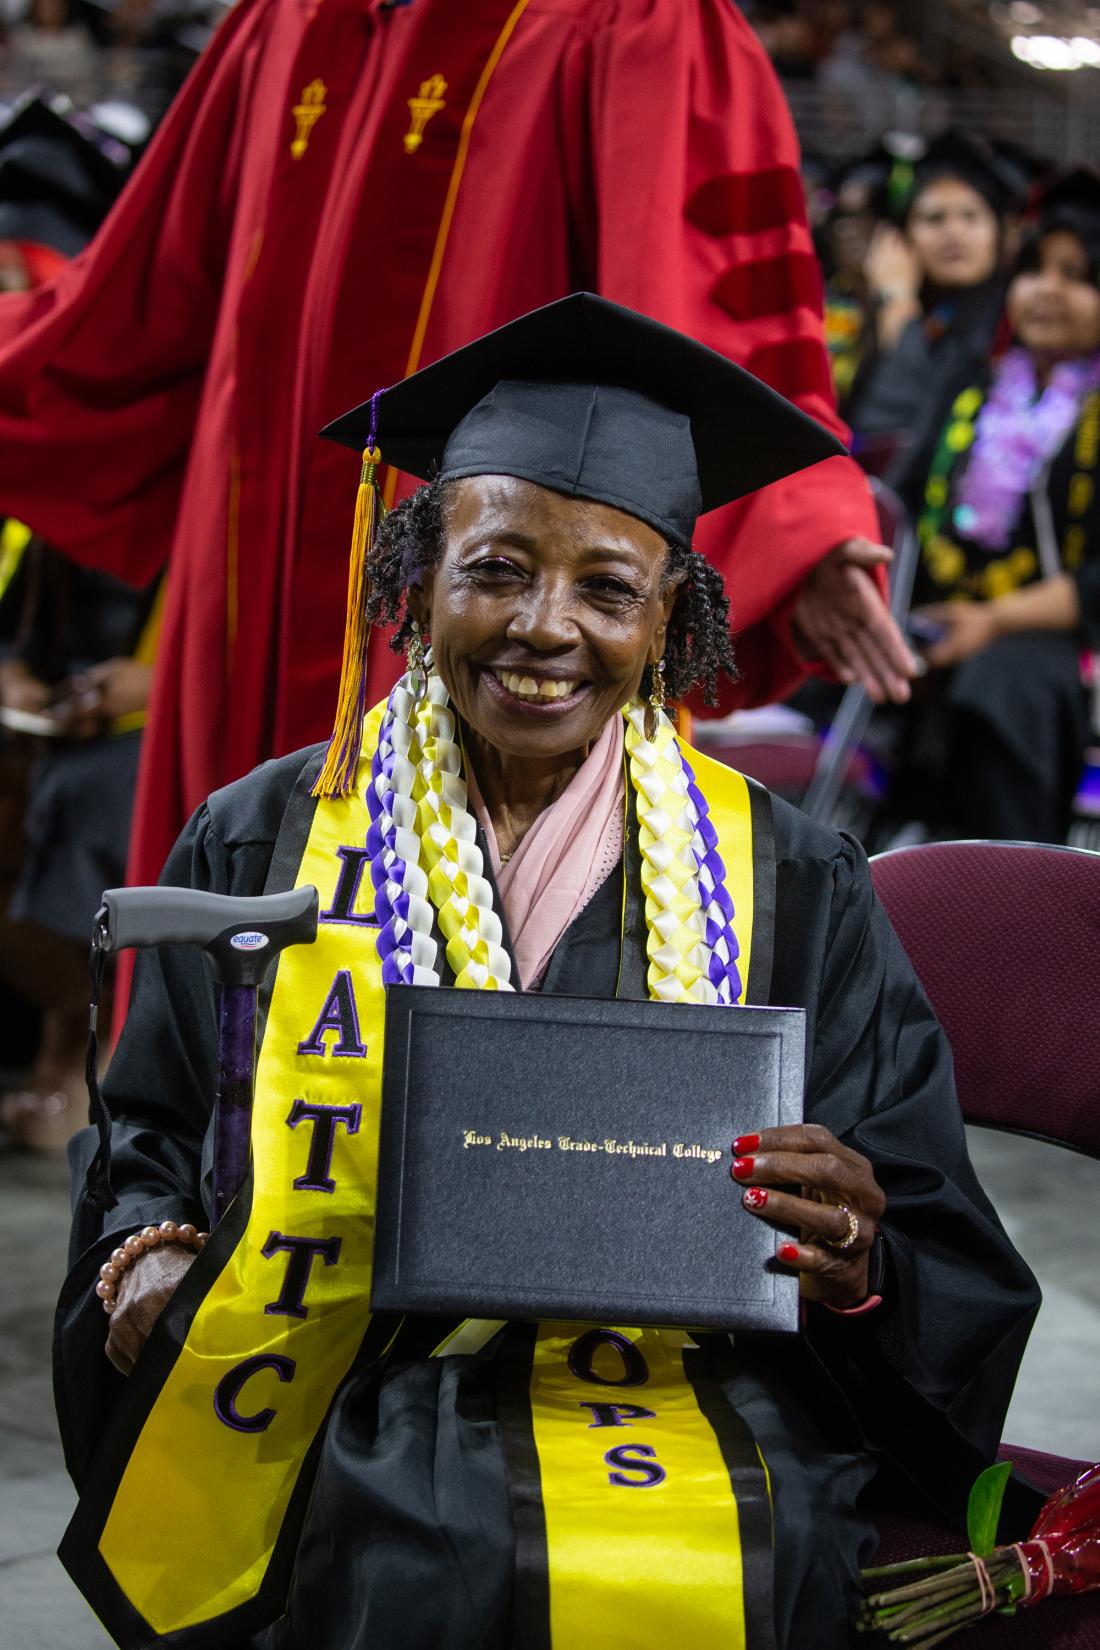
pixel 345 190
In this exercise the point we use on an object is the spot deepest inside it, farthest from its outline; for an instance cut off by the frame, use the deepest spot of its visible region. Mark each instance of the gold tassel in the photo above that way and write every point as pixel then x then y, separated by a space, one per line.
pixel 337 776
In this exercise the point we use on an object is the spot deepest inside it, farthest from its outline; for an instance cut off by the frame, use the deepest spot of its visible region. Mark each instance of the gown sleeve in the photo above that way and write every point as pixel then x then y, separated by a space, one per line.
pixel 101 370
pixel 705 228
pixel 930 1373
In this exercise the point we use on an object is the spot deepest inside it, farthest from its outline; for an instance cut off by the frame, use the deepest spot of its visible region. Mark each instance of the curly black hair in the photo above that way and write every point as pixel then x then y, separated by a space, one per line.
pixel 698 648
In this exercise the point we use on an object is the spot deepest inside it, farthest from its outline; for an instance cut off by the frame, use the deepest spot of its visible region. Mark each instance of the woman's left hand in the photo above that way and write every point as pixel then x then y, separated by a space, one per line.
pixel 828 1175
pixel 969 628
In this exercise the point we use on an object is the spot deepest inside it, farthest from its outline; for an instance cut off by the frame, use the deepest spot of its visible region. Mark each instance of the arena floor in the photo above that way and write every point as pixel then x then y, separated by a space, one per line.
pixel 1045 1198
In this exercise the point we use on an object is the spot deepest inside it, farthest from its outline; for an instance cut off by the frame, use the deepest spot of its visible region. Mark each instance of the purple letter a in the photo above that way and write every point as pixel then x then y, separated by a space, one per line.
pixel 338 1014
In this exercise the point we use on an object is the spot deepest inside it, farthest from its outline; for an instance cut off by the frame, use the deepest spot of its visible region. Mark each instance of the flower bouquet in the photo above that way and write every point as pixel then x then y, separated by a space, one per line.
pixel 922 1602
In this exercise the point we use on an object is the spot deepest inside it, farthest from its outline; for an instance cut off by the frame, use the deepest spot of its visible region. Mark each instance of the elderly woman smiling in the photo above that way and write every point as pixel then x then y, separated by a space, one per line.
pixel 521 815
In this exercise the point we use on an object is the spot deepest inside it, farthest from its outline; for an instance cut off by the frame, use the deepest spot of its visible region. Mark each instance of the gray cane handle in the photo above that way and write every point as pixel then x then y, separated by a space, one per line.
pixel 241 936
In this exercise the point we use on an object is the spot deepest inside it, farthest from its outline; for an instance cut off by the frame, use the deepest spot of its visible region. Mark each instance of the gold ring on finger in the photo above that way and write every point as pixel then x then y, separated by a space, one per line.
pixel 853 1230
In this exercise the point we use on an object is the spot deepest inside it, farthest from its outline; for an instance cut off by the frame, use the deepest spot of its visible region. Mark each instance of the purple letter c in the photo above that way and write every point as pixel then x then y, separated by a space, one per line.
pixel 228 1390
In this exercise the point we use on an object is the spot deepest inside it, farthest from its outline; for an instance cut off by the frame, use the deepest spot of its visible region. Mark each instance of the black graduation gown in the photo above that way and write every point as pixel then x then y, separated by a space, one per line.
pixel 65 619
pixel 408 1535
pixel 900 392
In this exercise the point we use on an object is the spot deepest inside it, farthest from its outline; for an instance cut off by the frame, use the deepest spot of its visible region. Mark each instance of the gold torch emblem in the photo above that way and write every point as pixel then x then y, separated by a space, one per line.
pixel 306 115
pixel 422 108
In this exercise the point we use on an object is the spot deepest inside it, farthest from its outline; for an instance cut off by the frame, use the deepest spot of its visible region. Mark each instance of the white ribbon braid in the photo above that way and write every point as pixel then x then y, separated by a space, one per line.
pixel 679 960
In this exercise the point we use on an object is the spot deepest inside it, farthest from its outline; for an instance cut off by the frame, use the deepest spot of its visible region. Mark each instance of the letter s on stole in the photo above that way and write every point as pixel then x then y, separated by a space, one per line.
pixel 623 1457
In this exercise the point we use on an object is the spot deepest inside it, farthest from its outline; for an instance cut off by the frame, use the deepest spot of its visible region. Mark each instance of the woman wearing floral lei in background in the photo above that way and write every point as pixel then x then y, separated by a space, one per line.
pixel 1009 521
pixel 521 815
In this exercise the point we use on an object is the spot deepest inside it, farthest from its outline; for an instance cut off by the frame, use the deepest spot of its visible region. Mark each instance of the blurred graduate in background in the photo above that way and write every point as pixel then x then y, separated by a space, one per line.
pixel 935 283
pixel 75 664
pixel 1009 523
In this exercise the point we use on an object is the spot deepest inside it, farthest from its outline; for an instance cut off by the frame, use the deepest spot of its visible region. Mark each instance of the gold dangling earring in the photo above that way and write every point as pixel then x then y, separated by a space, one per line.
pixel 654 710
pixel 416 663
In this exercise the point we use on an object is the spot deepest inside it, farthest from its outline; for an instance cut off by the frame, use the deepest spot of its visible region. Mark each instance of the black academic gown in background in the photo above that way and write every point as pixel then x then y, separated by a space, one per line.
pixel 408 1535
pixel 61 620
pixel 899 393
pixel 995 747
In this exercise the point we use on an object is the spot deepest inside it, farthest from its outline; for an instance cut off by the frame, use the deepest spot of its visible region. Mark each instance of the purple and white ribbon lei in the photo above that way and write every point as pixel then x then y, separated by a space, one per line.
pixel 1017 433
pixel 405 944
pixel 714 899
pixel 402 906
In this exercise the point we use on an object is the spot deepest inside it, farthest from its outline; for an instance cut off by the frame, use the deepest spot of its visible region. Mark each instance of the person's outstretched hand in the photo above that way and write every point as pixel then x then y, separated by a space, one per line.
pixel 89 703
pixel 968 628
pixel 144 1290
pixel 799 1177
pixel 20 688
pixel 840 618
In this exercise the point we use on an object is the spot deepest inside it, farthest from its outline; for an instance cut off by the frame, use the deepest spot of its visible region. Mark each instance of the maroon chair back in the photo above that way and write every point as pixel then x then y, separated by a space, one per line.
pixel 785 762
pixel 1005 938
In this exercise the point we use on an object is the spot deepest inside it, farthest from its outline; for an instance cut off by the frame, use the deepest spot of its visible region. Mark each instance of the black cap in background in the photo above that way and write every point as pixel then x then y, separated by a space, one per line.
pixel 1070 195
pixel 959 154
pixel 56 184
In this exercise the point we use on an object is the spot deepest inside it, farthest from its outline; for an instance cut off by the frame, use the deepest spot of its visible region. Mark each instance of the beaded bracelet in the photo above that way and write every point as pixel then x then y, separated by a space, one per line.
pixel 150 1237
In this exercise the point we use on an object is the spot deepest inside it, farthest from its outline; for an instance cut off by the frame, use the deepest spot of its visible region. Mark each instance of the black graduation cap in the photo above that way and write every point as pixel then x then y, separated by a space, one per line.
pixel 871 169
pixel 42 223
pixel 959 154
pixel 588 399
pixel 56 184
pixel 1071 197
pixel 593 400
pixel 885 171
pixel 1022 164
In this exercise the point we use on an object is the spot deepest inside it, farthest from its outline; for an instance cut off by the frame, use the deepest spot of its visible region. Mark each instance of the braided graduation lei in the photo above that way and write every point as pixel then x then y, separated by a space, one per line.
pixel 946 561
pixel 425 859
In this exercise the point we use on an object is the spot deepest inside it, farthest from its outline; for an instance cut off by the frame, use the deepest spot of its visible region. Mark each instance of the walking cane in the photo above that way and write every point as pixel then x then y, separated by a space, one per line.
pixel 240 937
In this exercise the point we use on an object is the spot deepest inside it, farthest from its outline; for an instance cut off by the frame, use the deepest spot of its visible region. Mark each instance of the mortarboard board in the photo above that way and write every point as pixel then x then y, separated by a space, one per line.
pixel 1023 165
pixel 56 184
pixel 1071 197
pixel 585 398
pixel 958 154
pixel 1066 200
pixel 591 399
pixel 885 171
pixel 42 223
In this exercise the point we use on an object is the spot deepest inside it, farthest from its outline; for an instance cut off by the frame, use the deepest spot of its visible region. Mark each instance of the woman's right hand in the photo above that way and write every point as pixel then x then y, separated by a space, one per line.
pixel 144 1290
pixel 891 267
pixel 968 628
pixel 892 272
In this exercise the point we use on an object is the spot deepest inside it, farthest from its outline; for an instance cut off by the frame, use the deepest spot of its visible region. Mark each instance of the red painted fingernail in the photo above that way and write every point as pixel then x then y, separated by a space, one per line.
pixel 742 1167
pixel 788 1252
pixel 746 1143
pixel 754 1198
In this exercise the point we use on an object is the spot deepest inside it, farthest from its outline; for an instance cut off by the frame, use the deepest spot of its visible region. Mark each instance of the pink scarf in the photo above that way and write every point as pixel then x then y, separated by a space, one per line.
pixel 568 853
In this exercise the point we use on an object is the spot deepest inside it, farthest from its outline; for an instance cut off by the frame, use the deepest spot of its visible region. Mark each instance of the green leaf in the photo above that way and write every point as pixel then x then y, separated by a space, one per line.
pixel 983 1510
